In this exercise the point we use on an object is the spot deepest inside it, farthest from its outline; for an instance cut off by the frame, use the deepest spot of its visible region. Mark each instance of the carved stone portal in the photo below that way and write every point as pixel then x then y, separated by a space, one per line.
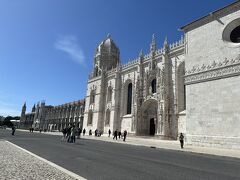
pixel 147 122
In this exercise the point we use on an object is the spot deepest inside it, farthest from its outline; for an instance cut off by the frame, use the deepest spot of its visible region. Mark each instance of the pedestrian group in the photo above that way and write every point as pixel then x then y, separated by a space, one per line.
pixel 70 133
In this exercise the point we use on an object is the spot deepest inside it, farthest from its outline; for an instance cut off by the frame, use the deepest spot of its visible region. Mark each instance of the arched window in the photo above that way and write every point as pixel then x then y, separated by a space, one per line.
pixel 129 99
pixel 109 96
pixel 153 84
pixel 92 97
pixel 107 120
pixel 231 32
pixel 90 117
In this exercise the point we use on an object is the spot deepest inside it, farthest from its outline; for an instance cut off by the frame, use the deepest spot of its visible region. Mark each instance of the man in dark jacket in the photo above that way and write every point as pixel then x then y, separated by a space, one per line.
pixel 13 130
pixel 115 134
pixel 181 139
pixel 119 134
pixel 124 135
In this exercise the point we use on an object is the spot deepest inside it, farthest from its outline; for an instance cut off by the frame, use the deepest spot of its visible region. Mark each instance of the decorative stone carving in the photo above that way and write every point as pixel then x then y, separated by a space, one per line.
pixel 224 69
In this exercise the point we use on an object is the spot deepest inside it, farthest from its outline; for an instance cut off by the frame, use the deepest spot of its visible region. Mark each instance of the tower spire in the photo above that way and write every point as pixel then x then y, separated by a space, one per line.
pixel 108 36
pixel 153 44
pixel 33 108
pixel 165 44
pixel 141 53
pixel 24 107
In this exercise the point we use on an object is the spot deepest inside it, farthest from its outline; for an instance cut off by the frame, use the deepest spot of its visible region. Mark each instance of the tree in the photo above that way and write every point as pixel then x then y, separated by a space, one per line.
pixel 1 120
pixel 7 122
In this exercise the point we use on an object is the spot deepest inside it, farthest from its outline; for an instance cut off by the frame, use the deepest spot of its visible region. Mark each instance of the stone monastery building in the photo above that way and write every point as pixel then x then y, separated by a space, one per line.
pixel 142 97
pixel 191 86
pixel 47 117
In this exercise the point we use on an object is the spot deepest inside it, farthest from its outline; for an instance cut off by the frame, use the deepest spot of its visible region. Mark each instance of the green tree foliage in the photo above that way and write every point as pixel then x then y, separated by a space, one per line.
pixel 7 121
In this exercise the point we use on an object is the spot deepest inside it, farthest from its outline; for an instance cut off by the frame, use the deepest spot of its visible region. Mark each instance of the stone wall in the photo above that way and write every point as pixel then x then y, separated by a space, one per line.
pixel 213 113
pixel 212 83
pixel 206 44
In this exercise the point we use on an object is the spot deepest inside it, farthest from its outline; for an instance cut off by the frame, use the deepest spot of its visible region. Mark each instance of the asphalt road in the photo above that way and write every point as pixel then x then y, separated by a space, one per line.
pixel 94 159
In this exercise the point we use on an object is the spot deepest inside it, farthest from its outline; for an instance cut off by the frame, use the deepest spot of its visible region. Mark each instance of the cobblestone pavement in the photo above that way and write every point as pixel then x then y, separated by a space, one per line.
pixel 16 164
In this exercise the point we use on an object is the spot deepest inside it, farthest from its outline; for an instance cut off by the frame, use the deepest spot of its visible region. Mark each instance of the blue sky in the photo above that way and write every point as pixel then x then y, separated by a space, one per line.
pixel 47 46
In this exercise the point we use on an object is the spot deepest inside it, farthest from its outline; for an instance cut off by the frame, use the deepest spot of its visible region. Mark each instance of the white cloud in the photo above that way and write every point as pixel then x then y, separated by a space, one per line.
pixel 69 44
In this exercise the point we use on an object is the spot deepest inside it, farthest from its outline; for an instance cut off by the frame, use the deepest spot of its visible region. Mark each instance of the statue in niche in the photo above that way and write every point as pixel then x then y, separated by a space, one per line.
pixel 153 65
pixel 150 66
pixel 150 90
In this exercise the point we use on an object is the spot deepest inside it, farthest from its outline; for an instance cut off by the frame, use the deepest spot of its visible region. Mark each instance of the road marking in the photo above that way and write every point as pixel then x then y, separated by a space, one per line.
pixel 50 163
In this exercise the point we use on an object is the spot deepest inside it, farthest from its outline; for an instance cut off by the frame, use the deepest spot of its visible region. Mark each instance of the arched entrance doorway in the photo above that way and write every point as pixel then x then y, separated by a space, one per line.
pixel 152 127
pixel 147 123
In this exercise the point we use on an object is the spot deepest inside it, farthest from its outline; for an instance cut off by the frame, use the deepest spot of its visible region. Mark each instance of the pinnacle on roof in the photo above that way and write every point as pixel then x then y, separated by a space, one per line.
pixel 165 44
pixel 109 36
pixel 153 44
pixel 141 53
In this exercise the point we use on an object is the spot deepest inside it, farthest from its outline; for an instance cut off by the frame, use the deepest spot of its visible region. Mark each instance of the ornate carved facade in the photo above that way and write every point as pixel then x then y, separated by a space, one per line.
pixel 141 96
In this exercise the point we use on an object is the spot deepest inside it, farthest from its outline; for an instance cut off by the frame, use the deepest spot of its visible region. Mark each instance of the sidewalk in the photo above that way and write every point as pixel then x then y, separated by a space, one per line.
pixel 164 144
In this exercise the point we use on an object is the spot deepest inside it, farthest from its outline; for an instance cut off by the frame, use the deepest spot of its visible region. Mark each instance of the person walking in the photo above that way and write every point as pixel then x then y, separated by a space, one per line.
pixel 119 134
pixel 64 131
pixel 78 133
pixel 84 131
pixel 115 134
pixel 109 133
pixel 124 135
pixel 13 130
pixel 73 134
pixel 69 133
pixel 181 139
pixel 90 132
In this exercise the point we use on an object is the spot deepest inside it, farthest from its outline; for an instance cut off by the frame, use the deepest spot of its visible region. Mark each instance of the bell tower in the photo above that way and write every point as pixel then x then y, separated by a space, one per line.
pixel 107 56
pixel 23 113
